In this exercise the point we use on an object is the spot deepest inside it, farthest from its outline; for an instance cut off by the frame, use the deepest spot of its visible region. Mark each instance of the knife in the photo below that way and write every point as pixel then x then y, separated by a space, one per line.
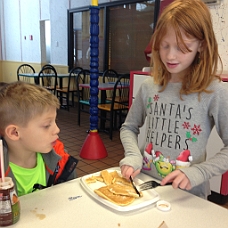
pixel 133 184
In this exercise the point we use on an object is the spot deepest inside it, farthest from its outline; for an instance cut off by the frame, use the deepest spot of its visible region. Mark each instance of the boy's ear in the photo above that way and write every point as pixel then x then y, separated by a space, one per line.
pixel 11 132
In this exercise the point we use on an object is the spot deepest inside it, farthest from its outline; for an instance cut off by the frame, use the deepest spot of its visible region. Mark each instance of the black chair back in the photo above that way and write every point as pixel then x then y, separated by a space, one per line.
pixel 83 94
pixel 24 68
pixel 48 77
pixel 118 106
pixel 72 82
pixel 121 92
pixel 109 75
pixel 48 66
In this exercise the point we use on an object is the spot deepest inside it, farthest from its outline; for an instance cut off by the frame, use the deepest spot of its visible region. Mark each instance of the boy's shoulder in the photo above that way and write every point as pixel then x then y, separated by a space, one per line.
pixel 57 154
pixel 59 148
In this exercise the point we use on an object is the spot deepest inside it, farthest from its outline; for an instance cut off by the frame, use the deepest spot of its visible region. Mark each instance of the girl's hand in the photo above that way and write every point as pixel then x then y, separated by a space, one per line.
pixel 178 179
pixel 128 171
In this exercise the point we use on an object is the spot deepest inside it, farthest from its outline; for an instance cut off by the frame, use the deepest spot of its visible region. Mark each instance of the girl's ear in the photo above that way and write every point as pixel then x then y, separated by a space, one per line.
pixel 11 132
pixel 200 48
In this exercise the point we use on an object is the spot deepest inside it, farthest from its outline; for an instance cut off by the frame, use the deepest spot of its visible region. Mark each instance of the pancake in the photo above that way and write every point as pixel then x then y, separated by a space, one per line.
pixel 99 178
pixel 94 179
pixel 114 174
pixel 122 180
pixel 107 177
pixel 118 189
pixel 124 190
pixel 120 200
pixel 90 180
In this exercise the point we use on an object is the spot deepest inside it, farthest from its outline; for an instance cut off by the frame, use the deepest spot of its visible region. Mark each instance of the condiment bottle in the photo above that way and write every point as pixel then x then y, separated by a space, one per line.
pixel 9 203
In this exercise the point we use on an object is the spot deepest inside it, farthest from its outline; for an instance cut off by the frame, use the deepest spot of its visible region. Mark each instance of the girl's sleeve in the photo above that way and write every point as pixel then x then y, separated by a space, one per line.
pixel 130 130
pixel 218 164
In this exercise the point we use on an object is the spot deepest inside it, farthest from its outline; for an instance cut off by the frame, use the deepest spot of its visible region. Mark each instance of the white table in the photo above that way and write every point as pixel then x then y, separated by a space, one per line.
pixel 52 208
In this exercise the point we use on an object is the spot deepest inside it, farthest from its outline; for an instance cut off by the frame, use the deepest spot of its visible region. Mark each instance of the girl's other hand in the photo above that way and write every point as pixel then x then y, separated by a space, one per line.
pixel 128 171
pixel 178 180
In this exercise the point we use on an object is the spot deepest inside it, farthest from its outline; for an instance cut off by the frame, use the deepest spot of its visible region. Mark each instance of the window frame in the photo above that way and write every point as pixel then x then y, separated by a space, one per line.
pixel 105 7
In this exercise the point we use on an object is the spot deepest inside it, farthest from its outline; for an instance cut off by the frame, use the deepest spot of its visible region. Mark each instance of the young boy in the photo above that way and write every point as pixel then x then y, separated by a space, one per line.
pixel 33 155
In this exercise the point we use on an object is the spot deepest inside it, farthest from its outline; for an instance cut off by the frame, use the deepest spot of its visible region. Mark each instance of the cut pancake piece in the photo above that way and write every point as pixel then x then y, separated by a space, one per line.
pixel 120 200
pixel 114 174
pixel 107 177
pixel 90 180
pixel 122 180
pixel 124 190
pixel 99 178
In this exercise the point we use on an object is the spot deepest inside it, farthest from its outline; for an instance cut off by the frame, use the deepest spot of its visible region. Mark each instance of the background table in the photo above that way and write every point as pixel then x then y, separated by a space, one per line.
pixel 35 76
pixel 52 207
pixel 103 87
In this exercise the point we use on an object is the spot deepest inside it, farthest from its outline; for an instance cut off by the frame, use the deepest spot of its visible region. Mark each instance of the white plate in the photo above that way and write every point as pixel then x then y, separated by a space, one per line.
pixel 149 196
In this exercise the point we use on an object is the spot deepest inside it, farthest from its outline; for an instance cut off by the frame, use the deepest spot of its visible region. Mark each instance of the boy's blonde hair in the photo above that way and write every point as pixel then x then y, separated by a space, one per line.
pixel 194 17
pixel 20 102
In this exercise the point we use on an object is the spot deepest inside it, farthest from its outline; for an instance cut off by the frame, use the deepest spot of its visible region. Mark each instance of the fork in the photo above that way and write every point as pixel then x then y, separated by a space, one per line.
pixel 149 185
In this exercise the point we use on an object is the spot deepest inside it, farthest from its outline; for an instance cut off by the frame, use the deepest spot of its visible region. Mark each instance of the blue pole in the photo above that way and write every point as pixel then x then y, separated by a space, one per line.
pixel 94 66
pixel 93 147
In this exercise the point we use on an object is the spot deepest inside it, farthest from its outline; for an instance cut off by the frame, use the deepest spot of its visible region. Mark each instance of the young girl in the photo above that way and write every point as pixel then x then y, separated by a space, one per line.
pixel 182 102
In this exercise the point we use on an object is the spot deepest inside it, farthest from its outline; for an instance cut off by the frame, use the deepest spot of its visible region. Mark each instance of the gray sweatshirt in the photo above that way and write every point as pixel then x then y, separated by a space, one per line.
pixel 177 132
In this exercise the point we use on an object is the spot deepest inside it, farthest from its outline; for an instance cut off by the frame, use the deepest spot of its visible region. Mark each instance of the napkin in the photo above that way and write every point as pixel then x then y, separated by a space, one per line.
pixel 163 225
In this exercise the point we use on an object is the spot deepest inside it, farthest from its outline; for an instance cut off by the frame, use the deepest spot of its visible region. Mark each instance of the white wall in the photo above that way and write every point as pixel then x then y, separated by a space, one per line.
pixel 44 10
pixel 30 49
pixel 16 43
pixel 220 22
pixel 15 13
pixel 11 31
pixel 58 19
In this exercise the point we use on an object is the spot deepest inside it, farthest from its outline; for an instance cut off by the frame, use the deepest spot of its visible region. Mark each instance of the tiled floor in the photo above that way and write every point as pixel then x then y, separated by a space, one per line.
pixel 73 137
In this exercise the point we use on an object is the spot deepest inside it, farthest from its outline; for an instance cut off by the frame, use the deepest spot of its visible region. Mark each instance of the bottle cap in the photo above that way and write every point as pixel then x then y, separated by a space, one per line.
pixel 163 205
pixel 8 183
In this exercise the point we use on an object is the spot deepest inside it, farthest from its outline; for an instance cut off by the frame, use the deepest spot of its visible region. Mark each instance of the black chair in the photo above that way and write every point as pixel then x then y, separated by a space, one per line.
pixel 25 68
pixel 83 93
pixel 118 106
pixel 48 77
pixel 109 76
pixel 48 66
pixel 64 94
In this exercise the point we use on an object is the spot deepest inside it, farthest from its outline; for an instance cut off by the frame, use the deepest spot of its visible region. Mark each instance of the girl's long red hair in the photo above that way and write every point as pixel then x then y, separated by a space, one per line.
pixel 194 17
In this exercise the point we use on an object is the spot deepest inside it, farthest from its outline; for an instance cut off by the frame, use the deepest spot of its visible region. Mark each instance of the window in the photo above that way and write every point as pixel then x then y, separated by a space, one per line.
pixel 81 39
pixel 125 30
